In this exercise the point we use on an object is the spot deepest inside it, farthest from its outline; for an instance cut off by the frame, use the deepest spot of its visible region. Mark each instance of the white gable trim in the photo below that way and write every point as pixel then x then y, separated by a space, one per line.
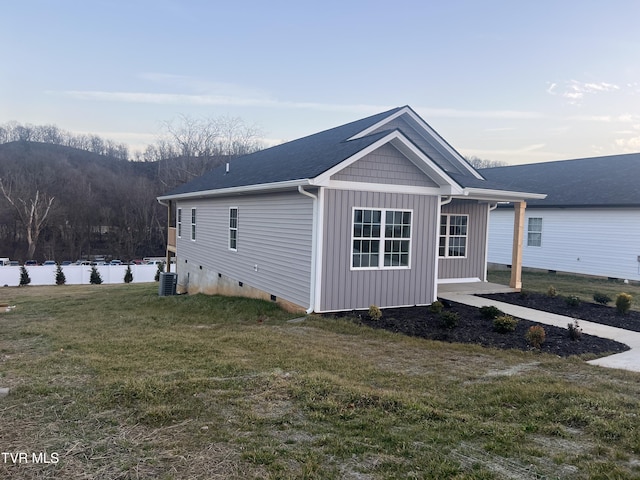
pixel 409 150
pixel 430 131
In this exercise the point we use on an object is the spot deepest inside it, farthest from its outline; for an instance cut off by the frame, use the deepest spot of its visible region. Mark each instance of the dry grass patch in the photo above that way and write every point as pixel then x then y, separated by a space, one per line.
pixel 122 383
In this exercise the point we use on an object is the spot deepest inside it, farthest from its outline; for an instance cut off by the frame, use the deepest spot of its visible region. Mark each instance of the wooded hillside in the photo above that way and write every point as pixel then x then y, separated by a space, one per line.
pixel 101 205
pixel 65 196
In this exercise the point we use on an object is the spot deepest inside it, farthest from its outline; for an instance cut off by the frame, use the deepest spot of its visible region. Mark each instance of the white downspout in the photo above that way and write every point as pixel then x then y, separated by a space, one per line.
pixel 314 248
pixel 441 201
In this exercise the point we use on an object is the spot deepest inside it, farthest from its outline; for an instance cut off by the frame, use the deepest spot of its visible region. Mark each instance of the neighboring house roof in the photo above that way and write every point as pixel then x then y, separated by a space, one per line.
pixel 610 181
pixel 310 159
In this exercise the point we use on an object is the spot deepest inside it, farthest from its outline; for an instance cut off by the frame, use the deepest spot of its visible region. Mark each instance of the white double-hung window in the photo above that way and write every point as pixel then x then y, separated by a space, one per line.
pixel 179 222
pixel 534 232
pixel 193 224
pixel 233 228
pixel 381 238
pixel 453 236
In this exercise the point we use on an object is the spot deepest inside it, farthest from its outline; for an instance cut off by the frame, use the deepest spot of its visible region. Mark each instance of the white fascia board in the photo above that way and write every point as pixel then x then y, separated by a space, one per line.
pixel 407 148
pixel 237 190
pixel 380 124
pixel 501 195
pixel 432 133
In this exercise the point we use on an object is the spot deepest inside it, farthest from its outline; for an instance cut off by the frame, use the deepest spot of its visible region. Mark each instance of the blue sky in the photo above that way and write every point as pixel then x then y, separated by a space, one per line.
pixel 518 82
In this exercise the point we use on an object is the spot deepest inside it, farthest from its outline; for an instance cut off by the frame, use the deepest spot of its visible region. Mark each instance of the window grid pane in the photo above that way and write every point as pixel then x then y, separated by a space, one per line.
pixel 371 228
pixel 193 224
pixel 534 234
pixel 233 228
pixel 453 236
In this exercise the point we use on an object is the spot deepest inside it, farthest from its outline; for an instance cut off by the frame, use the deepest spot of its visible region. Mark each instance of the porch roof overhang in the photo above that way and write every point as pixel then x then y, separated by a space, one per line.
pixel 500 196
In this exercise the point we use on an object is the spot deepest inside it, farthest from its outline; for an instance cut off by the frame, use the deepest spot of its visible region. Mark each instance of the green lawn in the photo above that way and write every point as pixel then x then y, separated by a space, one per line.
pixel 121 383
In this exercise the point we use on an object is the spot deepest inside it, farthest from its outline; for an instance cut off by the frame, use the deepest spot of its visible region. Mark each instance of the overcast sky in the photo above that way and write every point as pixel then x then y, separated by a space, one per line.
pixel 513 81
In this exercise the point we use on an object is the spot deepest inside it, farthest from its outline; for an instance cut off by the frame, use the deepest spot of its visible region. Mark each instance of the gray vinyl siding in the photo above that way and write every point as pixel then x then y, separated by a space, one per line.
pixel 474 265
pixel 432 149
pixel 346 289
pixel 385 165
pixel 274 242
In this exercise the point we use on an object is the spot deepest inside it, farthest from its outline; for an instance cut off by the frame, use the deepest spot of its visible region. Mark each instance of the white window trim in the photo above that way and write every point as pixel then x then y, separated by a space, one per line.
pixel 193 224
pixel 447 236
pixel 179 222
pixel 381 239
pixel 539 232
pixel 232 229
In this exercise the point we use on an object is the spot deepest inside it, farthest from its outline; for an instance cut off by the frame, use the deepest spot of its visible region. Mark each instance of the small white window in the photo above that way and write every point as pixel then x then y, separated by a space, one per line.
pixel 233 228
pixel 534 232
pixel 193 224
pixel 453 236
pixel 179 222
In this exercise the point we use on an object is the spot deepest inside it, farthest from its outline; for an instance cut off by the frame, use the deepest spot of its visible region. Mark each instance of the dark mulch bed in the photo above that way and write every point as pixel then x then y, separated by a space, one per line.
pixel 592 312
pixel 473 328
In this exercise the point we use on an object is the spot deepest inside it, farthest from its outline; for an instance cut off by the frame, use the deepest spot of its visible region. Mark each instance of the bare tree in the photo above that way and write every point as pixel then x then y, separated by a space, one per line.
pixel 189 147
pixel 32 212
pixel 481 163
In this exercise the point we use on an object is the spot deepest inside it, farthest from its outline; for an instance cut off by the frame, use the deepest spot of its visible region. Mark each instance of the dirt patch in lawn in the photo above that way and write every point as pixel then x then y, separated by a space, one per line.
pixel 474 329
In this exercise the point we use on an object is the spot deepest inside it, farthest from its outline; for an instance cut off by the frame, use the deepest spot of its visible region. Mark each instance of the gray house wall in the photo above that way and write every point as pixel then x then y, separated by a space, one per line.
pixel 274 246
pixel 344 288
pixel 385 165
pixel 474 264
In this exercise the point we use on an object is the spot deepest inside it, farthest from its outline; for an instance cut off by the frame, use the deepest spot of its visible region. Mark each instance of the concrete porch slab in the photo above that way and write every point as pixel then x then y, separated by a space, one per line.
pixel 473 288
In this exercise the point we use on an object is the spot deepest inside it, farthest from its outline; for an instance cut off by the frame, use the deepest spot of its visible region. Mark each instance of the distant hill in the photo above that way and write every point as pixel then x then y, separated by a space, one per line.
pixel 102 205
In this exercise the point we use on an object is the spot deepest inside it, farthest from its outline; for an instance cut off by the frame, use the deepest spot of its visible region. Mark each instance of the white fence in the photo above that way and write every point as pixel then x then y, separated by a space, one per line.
pixel 76 274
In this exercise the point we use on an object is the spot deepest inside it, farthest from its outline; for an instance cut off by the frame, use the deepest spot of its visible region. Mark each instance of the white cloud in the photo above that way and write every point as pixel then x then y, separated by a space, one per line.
pixel 575 91
pixel 624 118
pixel 264 101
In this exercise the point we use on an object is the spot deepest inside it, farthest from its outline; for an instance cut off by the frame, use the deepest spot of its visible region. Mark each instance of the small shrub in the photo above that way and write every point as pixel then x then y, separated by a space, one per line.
pixel 490 312
pixel 25 279
pixel 375 313
pixel 601 298
pixel 535 336
pixel 159 271
pixel 505 323
pixel 60 277
pixel 524 293
pixel 436 307
pixel 573 301
pixel 95 278
pixel 449 319
pixel 128 275
pixel 552 292
pixel 575 332
pixel 623 303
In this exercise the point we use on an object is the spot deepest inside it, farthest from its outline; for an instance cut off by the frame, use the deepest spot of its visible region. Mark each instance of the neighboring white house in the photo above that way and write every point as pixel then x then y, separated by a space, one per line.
pixel 588 224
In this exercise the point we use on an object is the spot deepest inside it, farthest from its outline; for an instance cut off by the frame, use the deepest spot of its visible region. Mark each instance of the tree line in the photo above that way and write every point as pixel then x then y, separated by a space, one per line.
pixel 67 197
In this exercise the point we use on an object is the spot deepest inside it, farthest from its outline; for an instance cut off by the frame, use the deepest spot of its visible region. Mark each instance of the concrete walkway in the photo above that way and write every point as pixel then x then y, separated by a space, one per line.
pixel 629 360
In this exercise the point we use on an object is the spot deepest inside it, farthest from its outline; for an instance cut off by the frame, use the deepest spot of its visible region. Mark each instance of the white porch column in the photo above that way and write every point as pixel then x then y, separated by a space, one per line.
pixel 516 253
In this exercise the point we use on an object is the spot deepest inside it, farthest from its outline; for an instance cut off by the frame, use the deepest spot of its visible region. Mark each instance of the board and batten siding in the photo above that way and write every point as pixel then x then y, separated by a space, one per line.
pixel 473 266
pixel 590 241
pixel 345 289
pixel 273 245
pixel 385 165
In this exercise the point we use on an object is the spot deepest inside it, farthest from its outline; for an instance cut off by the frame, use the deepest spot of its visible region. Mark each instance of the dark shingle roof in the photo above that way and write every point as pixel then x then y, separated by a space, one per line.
pixel 587 182
pixel 309 157
pixel 299 159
